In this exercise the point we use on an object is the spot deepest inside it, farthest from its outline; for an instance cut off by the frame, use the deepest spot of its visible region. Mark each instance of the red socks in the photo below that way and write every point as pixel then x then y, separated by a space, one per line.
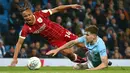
pixel 78 59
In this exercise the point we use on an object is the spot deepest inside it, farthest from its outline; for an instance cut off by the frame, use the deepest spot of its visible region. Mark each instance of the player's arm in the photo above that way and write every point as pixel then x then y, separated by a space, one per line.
pixel 63 7
pixel 103 65
pixel 18 46
pixel 22 35
pixel 17 49
pixel 49 12
pixel 65 46
pixel 103 55
pixel 68 45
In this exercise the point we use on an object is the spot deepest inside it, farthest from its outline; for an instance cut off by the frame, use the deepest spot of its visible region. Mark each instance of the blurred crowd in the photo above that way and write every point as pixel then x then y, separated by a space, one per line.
pixel 112 17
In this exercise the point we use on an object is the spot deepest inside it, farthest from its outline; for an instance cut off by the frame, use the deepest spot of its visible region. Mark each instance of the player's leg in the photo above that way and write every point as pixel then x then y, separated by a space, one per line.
pixel 87 65
pixel 72 56
pixel 68 52
pixel 81 66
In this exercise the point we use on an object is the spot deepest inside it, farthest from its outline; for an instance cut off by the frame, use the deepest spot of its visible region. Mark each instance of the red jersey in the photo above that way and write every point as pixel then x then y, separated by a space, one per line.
pixel 52 31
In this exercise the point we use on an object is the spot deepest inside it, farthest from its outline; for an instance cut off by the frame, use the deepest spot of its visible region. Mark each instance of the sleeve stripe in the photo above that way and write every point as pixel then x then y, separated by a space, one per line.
pixel 22 37
pixel 50 11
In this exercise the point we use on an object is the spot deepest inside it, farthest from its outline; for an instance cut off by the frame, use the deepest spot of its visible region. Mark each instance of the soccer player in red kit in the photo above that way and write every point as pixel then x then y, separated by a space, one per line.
pixel 38 23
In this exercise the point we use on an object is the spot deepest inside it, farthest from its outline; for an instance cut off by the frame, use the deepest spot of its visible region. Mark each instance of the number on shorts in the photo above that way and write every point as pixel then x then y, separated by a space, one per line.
pixel 68 34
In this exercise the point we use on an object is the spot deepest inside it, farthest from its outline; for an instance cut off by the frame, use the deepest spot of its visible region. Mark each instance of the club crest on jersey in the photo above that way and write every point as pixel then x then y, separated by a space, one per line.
pixel 39 20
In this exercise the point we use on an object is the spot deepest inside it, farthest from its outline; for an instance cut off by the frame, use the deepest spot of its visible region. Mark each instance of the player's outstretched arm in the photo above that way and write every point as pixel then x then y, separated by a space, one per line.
pixel 63 7
pixel 17 49
pixel 65 46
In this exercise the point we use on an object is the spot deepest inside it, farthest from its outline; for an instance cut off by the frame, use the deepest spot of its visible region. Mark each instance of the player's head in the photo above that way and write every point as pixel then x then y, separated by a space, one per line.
pixel 26 12
pixel 91 33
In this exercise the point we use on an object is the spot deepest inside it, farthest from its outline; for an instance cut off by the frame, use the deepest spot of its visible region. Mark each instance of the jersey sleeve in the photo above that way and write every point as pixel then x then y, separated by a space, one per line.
pixel 81 39
pixel 24 32
pixel 46 13
pixel 102 48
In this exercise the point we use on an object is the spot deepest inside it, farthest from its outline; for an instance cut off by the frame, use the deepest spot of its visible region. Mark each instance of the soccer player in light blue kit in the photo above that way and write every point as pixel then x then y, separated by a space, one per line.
pixel 96 55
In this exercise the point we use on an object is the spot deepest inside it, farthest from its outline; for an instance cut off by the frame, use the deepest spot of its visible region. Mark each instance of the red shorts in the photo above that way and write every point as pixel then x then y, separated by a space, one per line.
pixel 68 36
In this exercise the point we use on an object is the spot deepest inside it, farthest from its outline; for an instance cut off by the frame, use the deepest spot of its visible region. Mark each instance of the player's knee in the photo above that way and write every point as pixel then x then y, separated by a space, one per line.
pixel 70 55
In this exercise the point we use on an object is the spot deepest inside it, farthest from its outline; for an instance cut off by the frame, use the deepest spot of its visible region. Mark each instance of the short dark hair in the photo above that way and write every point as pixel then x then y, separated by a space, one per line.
pixel 23 5
pixel 92 29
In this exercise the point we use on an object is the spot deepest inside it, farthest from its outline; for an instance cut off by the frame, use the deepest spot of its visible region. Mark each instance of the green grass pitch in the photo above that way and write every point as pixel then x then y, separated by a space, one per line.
pixel 62 70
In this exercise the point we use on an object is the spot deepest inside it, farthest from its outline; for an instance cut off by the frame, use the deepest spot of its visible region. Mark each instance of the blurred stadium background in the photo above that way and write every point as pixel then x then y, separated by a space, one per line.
pixel 112 17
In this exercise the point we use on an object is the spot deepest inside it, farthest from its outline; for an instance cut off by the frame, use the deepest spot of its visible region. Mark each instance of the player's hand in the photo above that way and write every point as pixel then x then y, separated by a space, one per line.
pixel 75 6
pixel 52 52
pixel 14 62
pixel 92 69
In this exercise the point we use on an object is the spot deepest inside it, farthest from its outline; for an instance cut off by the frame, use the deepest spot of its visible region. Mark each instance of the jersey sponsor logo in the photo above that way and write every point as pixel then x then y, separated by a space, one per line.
pixel 40 29
pixel 40 20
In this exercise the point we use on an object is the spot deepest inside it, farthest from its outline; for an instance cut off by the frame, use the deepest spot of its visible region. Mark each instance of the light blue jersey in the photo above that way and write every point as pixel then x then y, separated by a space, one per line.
pixel 95 51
